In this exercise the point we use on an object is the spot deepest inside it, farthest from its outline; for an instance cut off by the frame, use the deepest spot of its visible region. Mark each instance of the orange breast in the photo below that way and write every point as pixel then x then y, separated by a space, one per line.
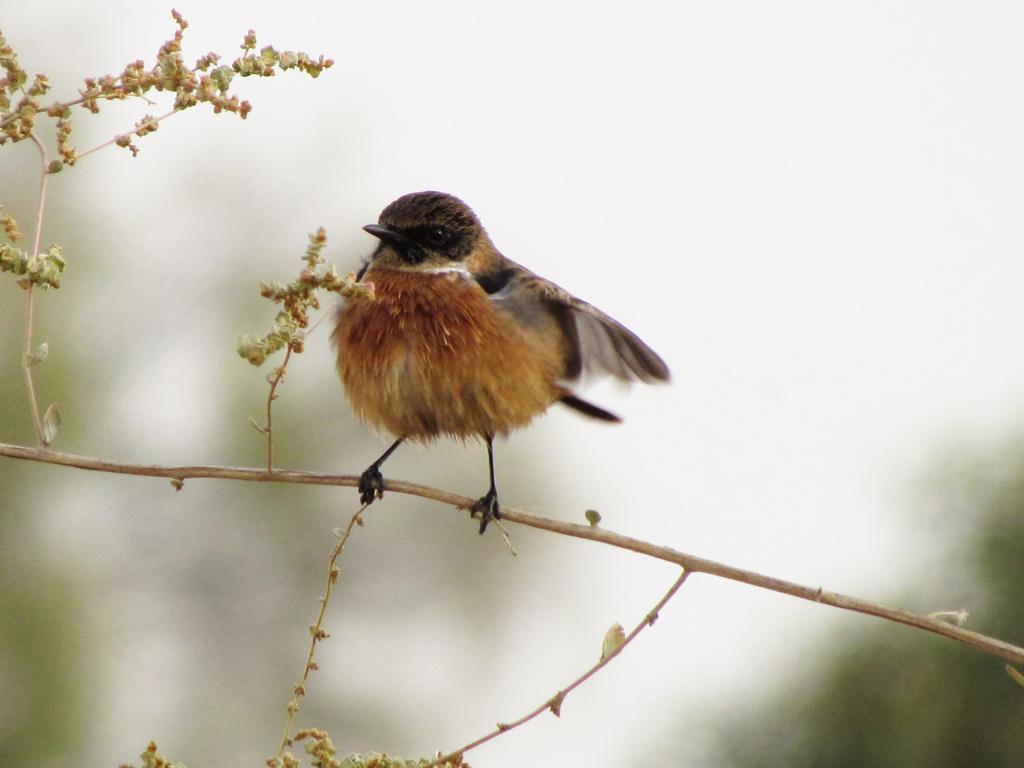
pixel 432 355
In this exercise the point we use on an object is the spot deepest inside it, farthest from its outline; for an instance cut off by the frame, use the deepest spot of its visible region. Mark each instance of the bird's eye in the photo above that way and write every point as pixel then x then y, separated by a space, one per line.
pixel 437 235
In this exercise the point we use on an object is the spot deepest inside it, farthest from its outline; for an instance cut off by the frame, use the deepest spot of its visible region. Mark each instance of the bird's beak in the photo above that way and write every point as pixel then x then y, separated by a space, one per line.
pixel 387 235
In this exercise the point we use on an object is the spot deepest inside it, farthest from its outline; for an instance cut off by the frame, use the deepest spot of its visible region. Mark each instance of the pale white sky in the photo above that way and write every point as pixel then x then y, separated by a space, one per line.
pixel 811 210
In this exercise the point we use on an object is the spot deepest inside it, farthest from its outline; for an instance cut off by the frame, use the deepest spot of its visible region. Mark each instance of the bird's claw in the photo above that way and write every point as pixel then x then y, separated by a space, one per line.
pixel 487 508
pixel 371 485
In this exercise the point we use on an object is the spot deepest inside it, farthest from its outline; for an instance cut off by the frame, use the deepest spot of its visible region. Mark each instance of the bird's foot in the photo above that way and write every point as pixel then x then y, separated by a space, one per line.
pixel 371 485
pixel 487 508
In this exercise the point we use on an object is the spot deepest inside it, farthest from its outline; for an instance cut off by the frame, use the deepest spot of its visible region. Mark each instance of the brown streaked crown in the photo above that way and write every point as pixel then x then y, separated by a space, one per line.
pixel 426 228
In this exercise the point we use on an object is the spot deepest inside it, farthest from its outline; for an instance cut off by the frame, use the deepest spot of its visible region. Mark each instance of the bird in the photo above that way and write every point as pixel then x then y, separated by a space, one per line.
pixel 461 341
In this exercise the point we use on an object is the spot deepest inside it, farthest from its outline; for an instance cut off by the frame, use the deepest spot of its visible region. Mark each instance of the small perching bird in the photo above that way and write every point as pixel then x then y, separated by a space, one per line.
pixel 461 341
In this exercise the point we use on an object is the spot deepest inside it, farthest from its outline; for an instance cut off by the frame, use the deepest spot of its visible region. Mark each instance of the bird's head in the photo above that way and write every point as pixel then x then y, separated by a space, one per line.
pixel 426 231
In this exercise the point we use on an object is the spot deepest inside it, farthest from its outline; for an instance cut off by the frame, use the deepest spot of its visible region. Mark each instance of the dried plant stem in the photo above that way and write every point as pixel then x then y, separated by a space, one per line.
pixel 276 379
pixel 554 704
pixel 691 563
pixel 26 365
pixel 26 357
pixel 316 631
pixel 107 143
pixel 17 114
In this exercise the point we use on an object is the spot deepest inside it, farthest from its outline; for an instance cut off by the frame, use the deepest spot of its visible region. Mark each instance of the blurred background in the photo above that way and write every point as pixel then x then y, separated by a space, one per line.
pixel 811 210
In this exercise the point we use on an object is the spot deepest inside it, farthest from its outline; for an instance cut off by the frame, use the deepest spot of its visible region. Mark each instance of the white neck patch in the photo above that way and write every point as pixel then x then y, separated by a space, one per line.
pixel 457 269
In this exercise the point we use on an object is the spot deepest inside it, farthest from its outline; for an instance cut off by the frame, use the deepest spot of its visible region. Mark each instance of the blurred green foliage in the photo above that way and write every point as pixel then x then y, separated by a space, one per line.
pixel 893 697
pixel 42 672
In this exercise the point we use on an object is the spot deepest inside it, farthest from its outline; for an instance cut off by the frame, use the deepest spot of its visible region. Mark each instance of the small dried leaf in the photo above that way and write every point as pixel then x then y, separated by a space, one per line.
pixel 51 424
pixel 613 640
pixel 555 705
pixel 40 355
pixel 957 618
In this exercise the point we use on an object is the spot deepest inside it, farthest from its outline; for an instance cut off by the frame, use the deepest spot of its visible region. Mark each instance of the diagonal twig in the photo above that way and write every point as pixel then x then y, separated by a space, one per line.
pixel 555 702
pixel 316 631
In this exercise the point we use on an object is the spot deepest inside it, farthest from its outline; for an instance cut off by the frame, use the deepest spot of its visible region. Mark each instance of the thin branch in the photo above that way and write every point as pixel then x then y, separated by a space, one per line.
pixel 17 114
pixel 269 429
pixel 555 702
pixel 26 363
pixel 316 631
pixel 693 563
pixel 30 299
pixel 105 144
pixel 41 207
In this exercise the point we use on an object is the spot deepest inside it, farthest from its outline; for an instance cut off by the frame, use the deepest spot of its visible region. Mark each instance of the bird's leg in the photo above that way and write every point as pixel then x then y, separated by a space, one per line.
pixel 487 507
pixel 371 482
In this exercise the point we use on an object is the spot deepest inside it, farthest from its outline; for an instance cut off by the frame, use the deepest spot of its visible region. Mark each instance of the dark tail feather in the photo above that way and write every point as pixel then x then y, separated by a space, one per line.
pixel 588 409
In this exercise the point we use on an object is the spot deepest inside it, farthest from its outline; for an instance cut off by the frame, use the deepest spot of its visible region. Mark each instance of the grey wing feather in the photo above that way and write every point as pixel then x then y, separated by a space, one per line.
pixel 596 341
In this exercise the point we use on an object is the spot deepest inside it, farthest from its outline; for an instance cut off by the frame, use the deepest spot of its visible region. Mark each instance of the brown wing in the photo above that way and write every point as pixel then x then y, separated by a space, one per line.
pixel 597 343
